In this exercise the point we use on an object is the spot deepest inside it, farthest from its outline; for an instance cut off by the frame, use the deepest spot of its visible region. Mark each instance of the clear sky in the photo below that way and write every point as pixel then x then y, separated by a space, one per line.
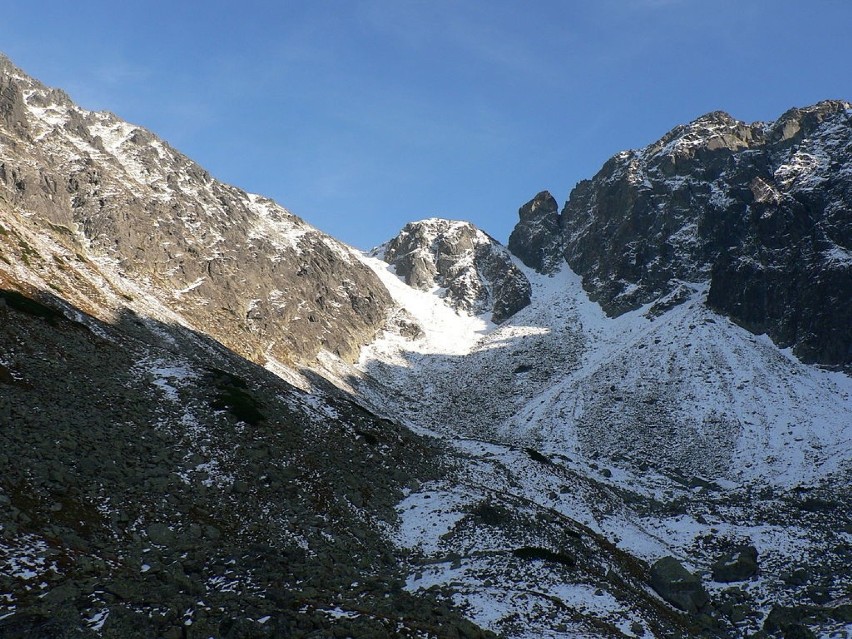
pixel 361 115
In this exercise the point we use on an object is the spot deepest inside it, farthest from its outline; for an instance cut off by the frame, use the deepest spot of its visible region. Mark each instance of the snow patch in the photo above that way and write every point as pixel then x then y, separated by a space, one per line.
pixel 445 330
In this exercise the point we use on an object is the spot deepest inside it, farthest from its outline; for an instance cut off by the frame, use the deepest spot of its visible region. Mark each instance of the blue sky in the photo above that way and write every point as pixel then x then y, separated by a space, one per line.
pixel 361 115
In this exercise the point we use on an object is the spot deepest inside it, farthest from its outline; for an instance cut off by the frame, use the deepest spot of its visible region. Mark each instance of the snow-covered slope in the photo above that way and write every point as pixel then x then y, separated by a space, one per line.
pixel 668 430
pixel 684 388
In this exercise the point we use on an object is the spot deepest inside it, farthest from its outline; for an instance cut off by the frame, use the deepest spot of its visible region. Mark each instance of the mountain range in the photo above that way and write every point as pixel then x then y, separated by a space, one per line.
pixel 633 420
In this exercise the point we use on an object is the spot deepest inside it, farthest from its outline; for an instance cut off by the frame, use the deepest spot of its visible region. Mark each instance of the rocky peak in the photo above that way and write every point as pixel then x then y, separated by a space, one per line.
pixel 677 151
pixel 9 73
pixel 798 123
pixel 12 109
pixel 760 211
pixel 5 63
pixel 475 271
pixel 536 238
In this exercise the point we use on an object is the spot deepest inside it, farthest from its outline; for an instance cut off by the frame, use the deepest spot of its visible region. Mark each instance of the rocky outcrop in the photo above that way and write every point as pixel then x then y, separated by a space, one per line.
pixel 759 210
pixel 233 265
pixel 536 240
pixel 475 271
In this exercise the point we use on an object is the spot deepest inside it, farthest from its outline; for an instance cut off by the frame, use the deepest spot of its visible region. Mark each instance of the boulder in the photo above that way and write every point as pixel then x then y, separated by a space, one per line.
pixel 788 620
pixel 739 565
pixel 678 586
pixel 160 534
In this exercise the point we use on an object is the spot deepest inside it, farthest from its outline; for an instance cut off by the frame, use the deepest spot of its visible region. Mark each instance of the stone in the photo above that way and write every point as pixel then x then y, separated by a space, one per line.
pixel 6 376
pixel 62 593
pixel 739 565
pixel 160 534
pixel 678 586
pixel 788 620
pixel 798 577
pixel 212 533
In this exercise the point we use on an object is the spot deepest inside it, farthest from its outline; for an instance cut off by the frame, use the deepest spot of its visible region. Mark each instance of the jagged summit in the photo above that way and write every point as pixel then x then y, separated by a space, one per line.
pixel 760 211
pixel 715 130
pixel 800 122
pixel 475 271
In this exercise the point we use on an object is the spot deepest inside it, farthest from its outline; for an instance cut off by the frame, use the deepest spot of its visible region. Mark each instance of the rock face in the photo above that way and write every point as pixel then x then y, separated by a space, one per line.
pixel 678 586
pixel 234 265
pixel 536 238
pixel 476 270
pixel 761 211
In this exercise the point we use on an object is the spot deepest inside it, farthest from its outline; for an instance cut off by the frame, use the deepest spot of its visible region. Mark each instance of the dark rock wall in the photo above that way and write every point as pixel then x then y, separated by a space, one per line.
pixel 762 211
pixel 535 239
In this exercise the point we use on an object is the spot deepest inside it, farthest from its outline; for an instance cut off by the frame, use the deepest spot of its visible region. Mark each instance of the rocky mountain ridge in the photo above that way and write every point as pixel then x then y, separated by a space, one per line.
pixel 761 211
pixel 234 265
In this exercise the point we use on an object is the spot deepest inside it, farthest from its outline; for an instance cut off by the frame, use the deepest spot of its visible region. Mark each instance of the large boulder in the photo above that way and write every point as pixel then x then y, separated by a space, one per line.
pixel 788 620
pixel 678 586
pixel 739 565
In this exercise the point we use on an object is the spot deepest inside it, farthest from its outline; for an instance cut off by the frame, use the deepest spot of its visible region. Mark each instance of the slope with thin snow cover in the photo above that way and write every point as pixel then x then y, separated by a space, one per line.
pixel 667 431
pixel 573 450
pixel 233 265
